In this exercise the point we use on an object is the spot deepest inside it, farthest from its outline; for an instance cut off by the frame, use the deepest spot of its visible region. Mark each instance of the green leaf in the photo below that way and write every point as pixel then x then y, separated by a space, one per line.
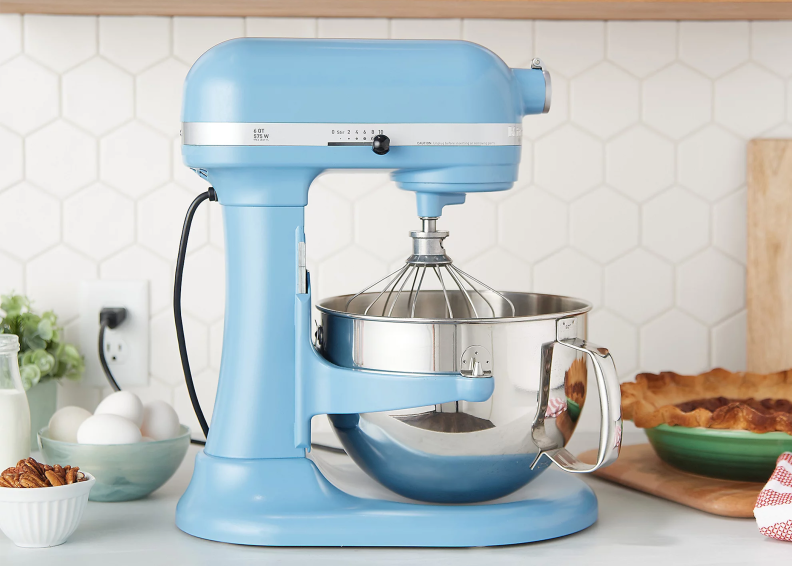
pixel 44 361
pixel 30 375
pixel 44 329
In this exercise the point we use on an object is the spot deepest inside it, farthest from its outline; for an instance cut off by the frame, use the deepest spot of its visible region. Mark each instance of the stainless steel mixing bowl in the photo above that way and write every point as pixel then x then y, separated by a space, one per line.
pixel 465 452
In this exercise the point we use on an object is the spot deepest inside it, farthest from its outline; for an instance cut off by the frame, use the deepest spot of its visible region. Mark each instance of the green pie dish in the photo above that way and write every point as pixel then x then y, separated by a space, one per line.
pixel 726 454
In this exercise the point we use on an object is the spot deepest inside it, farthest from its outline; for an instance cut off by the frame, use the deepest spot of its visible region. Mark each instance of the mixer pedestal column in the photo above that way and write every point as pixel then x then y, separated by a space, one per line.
pixel 254 411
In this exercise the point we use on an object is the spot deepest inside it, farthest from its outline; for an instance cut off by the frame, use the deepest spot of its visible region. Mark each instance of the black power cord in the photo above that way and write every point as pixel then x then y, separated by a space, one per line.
pixel 112 317
pixel 210 195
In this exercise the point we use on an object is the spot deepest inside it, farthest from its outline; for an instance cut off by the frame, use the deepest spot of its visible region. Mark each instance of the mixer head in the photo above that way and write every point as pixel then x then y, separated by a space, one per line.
pixel 405 295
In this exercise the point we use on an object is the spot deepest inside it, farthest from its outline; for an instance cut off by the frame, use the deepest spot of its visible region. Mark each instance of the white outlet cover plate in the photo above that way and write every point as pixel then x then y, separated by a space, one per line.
pixel 131 370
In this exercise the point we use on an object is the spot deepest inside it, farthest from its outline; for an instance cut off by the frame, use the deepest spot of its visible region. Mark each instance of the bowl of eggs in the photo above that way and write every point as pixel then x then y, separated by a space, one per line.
pixel 130 448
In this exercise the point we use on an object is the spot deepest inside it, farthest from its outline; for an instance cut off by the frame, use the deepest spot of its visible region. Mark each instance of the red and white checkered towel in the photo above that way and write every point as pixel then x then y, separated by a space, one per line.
pixel 773 510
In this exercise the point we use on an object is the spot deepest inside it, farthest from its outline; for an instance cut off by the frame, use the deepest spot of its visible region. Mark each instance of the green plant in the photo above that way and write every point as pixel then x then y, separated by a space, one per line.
pixel 42 355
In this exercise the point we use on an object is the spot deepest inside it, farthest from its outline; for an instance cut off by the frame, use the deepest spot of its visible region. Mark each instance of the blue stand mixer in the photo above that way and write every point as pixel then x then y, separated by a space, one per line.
pixel 454 396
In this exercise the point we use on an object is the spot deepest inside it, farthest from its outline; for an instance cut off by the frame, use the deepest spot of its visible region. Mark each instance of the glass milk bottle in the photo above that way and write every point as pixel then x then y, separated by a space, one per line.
pixel 14 411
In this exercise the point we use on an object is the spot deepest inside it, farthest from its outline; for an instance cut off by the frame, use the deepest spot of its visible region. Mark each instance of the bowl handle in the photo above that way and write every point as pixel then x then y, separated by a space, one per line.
pixel 610 409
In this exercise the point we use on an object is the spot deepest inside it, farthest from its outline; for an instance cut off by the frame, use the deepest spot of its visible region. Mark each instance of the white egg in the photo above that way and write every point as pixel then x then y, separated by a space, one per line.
pixel 64 423
pixel 108 429
pixel 124 404
pixel 160 421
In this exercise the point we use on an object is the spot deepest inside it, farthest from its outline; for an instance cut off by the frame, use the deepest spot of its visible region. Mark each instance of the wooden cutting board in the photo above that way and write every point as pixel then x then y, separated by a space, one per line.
pixel 769 267
pixel 638 467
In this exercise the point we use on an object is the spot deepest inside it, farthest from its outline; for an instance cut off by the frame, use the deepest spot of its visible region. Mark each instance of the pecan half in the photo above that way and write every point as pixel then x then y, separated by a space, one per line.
pixel 54 478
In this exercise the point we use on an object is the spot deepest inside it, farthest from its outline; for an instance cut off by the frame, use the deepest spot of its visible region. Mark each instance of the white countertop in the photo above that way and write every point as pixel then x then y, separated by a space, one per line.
pixel 633 528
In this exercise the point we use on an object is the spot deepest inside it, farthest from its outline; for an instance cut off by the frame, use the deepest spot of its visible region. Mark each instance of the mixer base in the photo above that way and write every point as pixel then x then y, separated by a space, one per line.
pixel 288 502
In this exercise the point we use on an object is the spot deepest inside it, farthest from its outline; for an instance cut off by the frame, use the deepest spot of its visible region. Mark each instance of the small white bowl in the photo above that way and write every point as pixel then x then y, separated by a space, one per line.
pixel 43 516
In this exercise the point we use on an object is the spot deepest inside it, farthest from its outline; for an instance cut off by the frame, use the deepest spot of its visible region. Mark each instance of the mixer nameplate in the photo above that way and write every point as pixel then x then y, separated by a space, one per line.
pixel 299 134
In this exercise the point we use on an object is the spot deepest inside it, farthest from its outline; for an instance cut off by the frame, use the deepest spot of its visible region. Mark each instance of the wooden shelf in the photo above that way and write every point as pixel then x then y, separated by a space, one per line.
pixel 509 9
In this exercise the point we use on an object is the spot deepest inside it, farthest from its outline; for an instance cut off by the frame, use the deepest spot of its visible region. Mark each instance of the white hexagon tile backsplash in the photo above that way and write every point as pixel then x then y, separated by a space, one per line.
pixel 631 191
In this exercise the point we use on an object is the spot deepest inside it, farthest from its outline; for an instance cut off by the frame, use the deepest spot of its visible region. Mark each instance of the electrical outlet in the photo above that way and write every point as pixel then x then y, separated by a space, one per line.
pixel 125 347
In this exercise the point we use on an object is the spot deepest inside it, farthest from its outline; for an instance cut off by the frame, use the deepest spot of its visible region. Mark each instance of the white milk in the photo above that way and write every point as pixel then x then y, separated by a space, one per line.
pixel 14 427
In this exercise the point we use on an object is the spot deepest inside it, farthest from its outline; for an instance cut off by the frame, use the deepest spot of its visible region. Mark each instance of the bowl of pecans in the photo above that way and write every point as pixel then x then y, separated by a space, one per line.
pixel 42 505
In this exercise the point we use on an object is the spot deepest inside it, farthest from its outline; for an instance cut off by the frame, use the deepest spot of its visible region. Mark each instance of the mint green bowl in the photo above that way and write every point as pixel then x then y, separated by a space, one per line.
pixel 123 471
pixel 727 454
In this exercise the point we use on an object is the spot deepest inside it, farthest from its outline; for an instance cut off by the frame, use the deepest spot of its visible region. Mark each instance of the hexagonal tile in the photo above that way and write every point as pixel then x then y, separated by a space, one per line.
pixel 134 43
pixel 749 100
pixel 569 273
pixel 60 158
pixel 605 100
pixel 136 262
pixel 642 47
pixel 31 223
pixel 182 174
pixel 160 218
pixel 532 224
pixel 501 270
pixel 729 220
pixel 712 162
pixel 192 37
pixel 164 360
pixel 567 57
pixel 159 91
pixel 553 155
pixel 97 96
pixel 386 235
pixel 349 271
pixel 328 223
pixel 46 37
pixel 472 227
pixel 280 27
pixel 711 286
pixel 676 224
pixel 620 337
pixel 12 275
pixel 677 101
pixel 674 342
pixel 11 150
pixel 98 221
pixel 216 344
pixel 203 294
pixel 511 40
pixel 10 36
pixel 537 125
pixel 353 184
pixel 353 28
pixel 53 281
pixel 771 46
pixel 713 47
pixel 420 28
pixel 729 340
pixel 639 163
pixel 34 99
pixel 135 159
pixel 639 286
pixel 780 131
pixel 604 224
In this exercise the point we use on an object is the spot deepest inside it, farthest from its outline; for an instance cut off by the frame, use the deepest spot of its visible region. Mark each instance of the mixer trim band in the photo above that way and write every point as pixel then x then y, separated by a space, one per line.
pixel 335 134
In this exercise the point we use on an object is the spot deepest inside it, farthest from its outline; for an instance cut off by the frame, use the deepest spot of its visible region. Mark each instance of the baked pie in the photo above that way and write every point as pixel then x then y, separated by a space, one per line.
pixel 717 399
